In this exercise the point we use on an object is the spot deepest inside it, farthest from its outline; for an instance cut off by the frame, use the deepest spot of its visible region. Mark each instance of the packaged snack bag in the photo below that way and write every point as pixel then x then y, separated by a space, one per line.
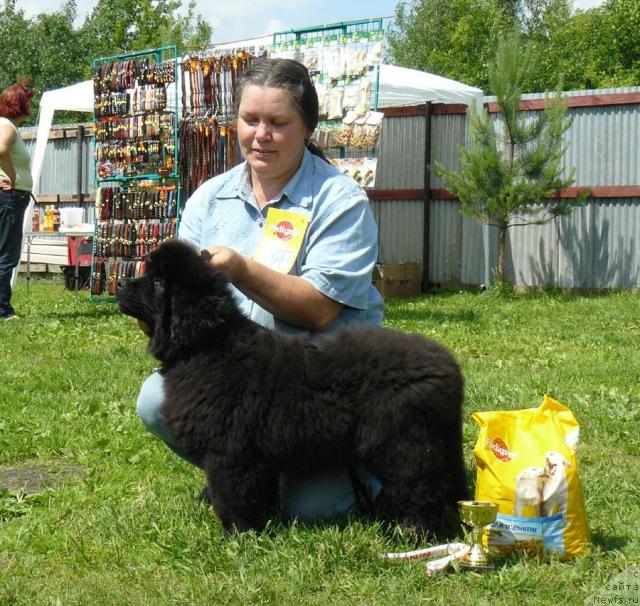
pixel 527 465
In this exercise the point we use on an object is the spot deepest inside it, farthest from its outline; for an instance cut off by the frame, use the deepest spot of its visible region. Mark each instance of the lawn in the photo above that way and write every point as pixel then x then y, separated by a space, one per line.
pixel 111 517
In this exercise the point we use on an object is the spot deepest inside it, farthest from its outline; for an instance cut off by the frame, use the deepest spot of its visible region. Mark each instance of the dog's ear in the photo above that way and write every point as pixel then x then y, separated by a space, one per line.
pixel 198 315
pixel 160 342
pixel 169 267
pixel 194 300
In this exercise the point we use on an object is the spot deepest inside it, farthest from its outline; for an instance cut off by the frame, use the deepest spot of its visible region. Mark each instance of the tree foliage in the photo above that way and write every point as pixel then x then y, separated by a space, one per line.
pixel 586 49
pixel 612 50
pixel 453 38
pixel 119 26
pixel 512 169
pixel 58 47
pixel 18 49
pixel 51 50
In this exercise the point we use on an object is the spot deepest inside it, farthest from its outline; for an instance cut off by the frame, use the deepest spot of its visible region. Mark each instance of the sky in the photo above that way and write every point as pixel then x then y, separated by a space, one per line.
pixel 244 19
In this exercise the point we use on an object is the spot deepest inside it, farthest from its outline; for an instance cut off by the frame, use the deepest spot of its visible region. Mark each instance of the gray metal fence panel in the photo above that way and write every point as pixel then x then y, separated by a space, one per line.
pixel 593 248
pixel 400 224
pixel 401 162
pixel 401 159
pixel 445 242
pixel 603 141
pixel 60 164
pixel 602 250
pixel 604 145
pixel 447 134
pixel 531 255
pixel 476 253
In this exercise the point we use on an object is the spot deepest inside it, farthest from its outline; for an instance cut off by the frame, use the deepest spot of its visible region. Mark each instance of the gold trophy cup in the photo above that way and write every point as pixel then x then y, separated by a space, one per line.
pixel 477 514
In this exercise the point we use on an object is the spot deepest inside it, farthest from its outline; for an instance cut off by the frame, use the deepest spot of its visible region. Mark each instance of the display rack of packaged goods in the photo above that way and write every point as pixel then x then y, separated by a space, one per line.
pixel 344 62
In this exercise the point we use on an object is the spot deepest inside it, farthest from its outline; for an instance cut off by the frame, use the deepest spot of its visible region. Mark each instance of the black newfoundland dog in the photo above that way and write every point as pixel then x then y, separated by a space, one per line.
pixel 252 402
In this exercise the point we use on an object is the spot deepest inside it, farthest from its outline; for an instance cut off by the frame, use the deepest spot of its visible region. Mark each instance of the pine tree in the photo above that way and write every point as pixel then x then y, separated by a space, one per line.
pixel 511 174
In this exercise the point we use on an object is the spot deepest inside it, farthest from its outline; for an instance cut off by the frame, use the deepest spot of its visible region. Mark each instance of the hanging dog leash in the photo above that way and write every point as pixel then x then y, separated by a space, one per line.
pixel 448 552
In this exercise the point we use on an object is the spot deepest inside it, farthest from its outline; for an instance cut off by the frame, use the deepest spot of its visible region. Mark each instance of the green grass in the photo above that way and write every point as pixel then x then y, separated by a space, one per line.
pixel 121 523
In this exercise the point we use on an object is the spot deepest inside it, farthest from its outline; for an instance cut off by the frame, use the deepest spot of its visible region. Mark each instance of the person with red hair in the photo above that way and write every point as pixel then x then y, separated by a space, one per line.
pixel 15 186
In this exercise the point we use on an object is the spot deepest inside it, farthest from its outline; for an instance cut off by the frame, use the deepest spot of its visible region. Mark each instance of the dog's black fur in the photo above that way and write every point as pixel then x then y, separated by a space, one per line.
pixel 252 402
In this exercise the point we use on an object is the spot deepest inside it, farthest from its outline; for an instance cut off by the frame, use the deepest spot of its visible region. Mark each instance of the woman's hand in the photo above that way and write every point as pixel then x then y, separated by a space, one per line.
pixel 290 298
pixel 232 264
pixel 5 184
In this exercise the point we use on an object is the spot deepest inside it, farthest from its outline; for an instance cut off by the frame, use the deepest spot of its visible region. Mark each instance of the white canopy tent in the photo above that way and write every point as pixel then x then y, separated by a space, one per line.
pixel 77 97
pixel 400 86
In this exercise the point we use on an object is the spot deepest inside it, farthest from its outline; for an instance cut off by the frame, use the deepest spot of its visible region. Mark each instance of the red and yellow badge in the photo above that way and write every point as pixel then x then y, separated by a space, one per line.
pixel 281 239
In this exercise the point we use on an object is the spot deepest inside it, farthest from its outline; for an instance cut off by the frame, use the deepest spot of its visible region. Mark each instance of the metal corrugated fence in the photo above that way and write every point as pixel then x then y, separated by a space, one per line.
pixel 603 143
pixel 594 248
pixel 400 226
pixel 60 166
pixel 402 141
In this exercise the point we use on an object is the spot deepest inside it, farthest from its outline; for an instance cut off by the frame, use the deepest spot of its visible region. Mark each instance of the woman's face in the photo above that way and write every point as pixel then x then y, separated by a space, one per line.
pixel 271 132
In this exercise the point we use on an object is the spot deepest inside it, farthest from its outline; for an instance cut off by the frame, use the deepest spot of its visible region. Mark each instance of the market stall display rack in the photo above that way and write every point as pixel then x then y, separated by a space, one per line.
pixel 344 62
pixel 136 162
pixel 208 138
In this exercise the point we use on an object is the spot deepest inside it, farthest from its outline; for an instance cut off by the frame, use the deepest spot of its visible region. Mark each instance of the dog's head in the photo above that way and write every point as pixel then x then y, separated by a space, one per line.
pixel 185 302
pixel 555 462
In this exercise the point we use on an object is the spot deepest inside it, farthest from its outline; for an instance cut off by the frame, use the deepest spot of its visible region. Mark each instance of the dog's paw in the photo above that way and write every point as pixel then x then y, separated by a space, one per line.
pixel 237 526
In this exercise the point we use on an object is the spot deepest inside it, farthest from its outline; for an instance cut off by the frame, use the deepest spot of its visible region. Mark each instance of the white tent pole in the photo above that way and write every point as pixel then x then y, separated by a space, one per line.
pixel 44 125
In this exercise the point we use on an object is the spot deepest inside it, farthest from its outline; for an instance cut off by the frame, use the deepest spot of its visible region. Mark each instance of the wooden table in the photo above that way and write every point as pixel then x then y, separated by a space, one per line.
pixel 30 236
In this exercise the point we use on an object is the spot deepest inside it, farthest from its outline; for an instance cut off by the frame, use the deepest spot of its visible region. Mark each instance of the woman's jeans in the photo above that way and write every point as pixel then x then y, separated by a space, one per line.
pixel 13 205
pixel 318 496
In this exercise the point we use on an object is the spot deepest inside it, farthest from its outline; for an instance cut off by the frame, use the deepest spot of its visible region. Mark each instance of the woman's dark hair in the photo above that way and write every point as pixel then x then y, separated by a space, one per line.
pixel 15 101
pixel 294 78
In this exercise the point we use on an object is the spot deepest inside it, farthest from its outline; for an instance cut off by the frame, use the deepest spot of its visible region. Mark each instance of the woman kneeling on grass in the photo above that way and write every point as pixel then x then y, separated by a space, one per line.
pixel 323 286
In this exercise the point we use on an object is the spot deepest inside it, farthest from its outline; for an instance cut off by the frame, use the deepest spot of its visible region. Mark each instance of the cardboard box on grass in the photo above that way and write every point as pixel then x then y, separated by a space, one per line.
pixel 398 280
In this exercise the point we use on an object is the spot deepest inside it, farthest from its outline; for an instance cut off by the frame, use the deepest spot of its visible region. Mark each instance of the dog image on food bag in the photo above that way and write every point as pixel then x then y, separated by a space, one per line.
pixel 555 488
pixel 251 403
pixel 544 489
pixel 529 490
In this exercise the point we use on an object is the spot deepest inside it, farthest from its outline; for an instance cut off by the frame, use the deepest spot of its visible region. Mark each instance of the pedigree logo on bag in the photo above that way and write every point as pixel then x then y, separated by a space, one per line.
pixel 499 449
pixel 527 465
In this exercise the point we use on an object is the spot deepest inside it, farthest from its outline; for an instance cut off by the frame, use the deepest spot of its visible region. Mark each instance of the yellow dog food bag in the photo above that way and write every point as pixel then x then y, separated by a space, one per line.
pixel 527 465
